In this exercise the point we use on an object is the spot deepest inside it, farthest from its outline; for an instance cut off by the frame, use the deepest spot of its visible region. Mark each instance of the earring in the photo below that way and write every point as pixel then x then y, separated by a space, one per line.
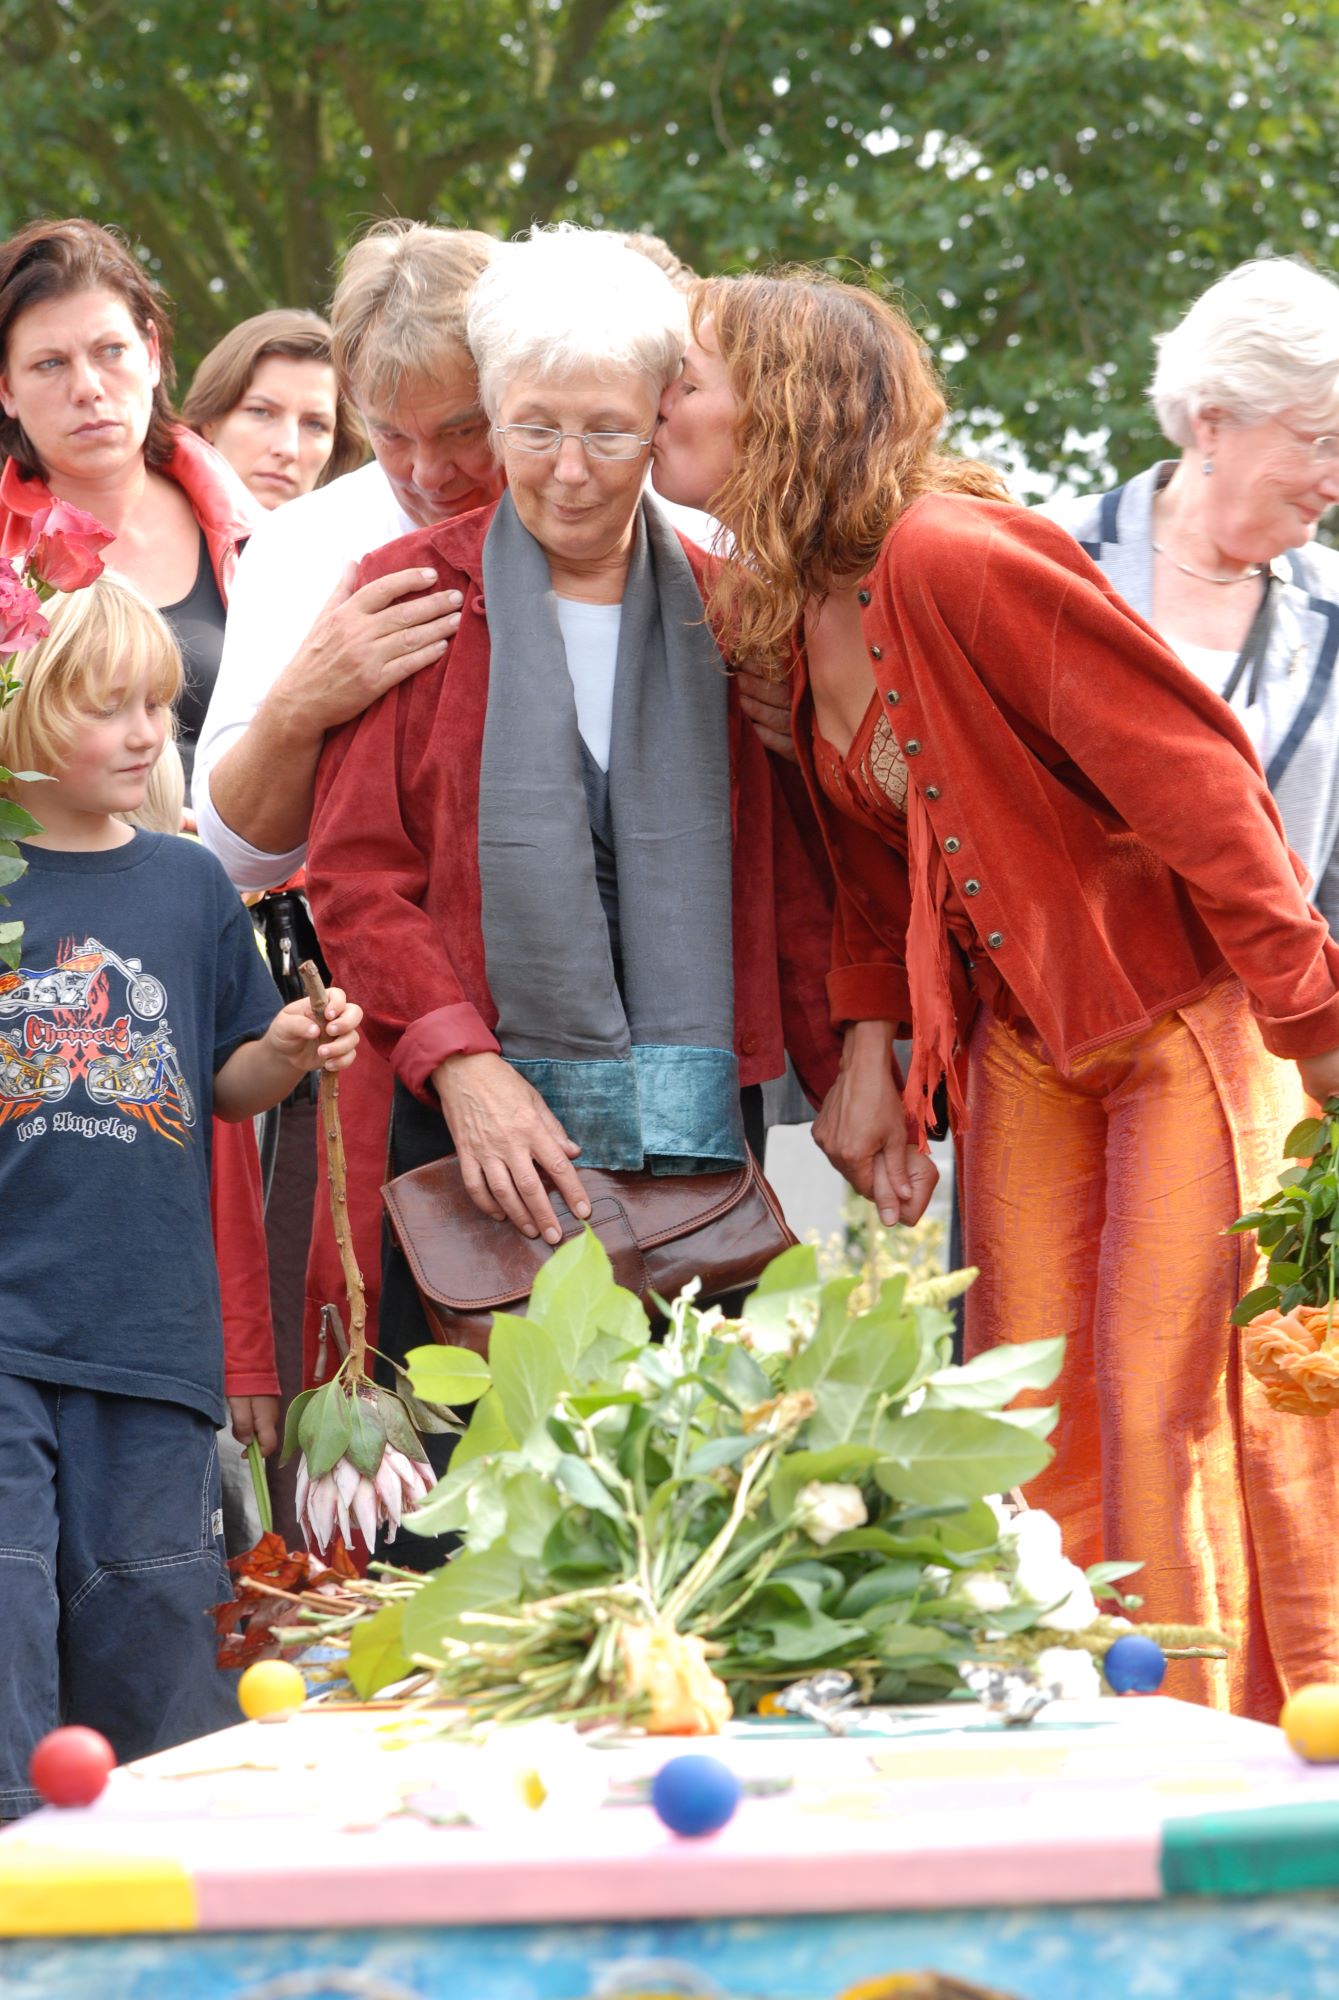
pixel 1206 467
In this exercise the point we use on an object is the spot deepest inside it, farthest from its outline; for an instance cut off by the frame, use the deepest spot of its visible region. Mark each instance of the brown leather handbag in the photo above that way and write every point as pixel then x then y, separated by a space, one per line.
pixel 660 1230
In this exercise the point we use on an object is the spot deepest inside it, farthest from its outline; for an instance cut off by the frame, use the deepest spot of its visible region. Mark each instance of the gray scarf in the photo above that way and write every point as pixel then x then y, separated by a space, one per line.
pixel 646 1077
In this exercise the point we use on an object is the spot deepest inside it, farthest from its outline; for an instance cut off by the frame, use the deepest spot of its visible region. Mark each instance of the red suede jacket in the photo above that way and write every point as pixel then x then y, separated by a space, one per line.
pixel 393 871
pixel 1100 812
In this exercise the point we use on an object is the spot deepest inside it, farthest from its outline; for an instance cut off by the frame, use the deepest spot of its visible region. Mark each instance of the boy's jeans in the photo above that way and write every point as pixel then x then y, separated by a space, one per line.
pixel 111 1555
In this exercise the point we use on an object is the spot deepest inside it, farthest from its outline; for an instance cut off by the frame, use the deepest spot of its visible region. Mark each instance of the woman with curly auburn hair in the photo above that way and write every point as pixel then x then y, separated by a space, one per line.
pixel 1059 870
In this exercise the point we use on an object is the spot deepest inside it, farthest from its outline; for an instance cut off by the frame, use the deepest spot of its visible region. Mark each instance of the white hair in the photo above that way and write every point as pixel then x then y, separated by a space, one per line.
pixel 564 301
pixel 1264 339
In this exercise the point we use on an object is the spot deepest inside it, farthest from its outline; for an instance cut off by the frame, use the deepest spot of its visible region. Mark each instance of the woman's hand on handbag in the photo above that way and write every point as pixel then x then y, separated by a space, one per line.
pixel 862 1128
pixel 505 1137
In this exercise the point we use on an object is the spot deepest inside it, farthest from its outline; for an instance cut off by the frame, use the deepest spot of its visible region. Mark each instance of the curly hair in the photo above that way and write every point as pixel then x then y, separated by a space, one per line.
pixel 839 416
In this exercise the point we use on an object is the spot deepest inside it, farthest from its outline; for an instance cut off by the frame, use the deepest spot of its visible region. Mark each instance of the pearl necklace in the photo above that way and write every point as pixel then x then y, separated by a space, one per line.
pixel 1257 569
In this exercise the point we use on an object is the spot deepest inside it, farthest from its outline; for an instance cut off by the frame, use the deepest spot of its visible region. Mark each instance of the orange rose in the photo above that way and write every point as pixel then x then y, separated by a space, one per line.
pixel 1289 1353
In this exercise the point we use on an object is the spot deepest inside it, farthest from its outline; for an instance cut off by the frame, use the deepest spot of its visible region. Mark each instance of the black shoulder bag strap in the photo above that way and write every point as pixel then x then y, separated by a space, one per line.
pixel 1251 659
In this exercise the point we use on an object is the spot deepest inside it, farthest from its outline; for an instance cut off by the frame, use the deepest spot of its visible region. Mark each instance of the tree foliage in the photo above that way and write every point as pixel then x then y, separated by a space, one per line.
pixel 1048 181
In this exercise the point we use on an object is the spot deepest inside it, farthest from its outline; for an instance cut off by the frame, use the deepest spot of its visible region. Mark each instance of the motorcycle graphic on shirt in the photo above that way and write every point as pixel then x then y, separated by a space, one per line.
pixel 71 1031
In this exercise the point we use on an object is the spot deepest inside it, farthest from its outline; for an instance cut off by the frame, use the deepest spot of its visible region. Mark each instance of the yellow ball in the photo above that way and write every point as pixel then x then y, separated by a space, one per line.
pixel 270 1687
pixel 1310 1721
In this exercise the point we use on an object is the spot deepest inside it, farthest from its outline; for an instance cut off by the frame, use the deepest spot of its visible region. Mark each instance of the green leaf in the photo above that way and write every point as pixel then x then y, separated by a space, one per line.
pixel 853 1360
pixel 955 1455
pixel 569 1294
pixel 1305 1140
pixel 878 1585
pixel 534 1504
pixel 811 1635
pixel 905 1642
pixel 291 1422
pixel 1041 1422
pixel 1282 1272
pixel 446 1511
pixel 992 1379
pixel 583 1484
pixel 795 1270
pixel 398 1425
pixel 376 1660
pixel 748 1383
pixel 12 864
pixel 367 1436
pixel 528 1371
pixel 323 1429
pixel 449 1375
pixel 579 1547
pixel 1111 1572
pixel 469 1582
pixel 487 1433
pixel 16 820
pixel 843 1462
pixel 1264 1298
pixel 716 1452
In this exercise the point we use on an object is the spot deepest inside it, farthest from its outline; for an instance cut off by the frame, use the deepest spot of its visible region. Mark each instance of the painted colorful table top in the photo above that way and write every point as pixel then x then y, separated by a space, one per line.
pixel 345 1818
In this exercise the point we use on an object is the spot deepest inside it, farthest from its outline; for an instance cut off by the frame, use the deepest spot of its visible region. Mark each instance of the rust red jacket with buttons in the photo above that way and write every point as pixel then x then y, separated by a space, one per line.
pixel 393 865
pixel 1101 814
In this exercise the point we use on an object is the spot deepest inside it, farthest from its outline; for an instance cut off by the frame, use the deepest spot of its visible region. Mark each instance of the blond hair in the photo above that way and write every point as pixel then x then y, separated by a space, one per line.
pixel 839 415
pixel 400 306
pixel 93 635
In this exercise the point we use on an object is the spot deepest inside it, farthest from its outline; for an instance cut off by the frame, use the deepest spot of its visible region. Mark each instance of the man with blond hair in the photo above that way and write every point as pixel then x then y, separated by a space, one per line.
pixel 304 650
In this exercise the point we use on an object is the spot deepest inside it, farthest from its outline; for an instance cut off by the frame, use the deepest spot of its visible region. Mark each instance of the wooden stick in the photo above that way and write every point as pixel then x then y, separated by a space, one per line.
pixel 338 1177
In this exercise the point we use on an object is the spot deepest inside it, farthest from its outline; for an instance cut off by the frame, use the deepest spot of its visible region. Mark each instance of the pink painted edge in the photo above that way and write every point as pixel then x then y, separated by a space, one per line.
pixel 689 1881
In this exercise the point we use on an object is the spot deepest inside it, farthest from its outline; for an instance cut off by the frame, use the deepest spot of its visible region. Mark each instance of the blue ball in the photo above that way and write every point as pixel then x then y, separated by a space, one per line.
pixel 695 1795
pixel 1134 1665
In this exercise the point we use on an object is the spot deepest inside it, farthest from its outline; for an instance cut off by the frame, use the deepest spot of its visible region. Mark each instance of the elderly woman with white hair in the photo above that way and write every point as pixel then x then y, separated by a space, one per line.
pixel 567 872
pixel 1217 548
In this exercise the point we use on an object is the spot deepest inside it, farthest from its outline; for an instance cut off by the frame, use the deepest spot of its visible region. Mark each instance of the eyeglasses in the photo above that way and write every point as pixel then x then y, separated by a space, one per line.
pixel 596 444
pixel 1321 450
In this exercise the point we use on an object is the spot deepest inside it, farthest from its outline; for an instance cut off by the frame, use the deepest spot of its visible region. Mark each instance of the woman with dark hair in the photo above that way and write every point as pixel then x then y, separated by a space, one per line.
pixel 85 375
pixel 85 370
pixel 267 397
pixel 1058 865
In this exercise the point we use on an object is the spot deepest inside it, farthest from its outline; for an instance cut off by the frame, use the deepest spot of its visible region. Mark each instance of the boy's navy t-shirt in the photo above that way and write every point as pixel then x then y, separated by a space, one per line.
pixel 140 976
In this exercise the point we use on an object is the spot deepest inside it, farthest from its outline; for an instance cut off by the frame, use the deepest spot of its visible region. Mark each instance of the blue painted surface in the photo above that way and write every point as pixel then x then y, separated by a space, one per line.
pixel 1275 1949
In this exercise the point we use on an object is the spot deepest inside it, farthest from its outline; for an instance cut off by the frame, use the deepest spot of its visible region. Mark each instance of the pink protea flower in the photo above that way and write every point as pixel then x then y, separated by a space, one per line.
pixel 347 1499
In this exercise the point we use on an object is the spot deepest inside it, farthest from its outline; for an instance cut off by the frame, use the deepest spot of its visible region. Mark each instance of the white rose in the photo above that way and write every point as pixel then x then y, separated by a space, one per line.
pixel 826 1508
pixel 983 1590
pixel 1064 1587
pixel 1072 1671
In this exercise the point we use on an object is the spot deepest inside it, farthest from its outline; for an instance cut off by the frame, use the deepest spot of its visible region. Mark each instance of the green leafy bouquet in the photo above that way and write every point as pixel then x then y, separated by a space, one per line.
pixel 662 1532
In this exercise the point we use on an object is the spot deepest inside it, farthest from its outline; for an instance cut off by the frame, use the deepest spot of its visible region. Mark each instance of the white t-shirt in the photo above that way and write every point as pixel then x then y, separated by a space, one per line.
pixel 590 636
pixel 288 570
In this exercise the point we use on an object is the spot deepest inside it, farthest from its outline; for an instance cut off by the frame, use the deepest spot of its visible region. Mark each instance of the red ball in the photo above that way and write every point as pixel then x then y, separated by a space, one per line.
pixel 70 1767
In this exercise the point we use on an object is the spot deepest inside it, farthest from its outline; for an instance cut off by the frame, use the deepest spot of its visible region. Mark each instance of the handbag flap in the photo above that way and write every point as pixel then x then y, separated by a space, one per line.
pixel 469 1263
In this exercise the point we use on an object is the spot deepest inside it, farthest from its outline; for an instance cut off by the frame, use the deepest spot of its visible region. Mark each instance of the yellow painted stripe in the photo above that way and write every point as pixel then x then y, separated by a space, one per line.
pixel 45 1892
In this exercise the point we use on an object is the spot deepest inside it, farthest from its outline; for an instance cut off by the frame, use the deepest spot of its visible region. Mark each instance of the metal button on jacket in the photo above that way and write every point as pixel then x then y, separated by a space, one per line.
pixel 952 844
pixel 862 596
pixel 876 652
pixel 995 939
pixel 913 748
pixel 932 791
pixel 971 887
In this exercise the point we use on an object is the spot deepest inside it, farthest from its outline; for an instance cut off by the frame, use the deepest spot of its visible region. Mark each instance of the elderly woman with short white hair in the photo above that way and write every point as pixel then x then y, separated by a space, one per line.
pixel 558 861
pixel 1217 548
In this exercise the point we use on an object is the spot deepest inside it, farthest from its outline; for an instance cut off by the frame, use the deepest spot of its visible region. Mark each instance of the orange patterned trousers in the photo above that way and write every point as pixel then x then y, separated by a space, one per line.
pixel 1094 1207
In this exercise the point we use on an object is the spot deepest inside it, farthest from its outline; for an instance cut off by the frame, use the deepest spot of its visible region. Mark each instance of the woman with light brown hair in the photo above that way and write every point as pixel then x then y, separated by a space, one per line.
pixel 1059 868
pixel 267 397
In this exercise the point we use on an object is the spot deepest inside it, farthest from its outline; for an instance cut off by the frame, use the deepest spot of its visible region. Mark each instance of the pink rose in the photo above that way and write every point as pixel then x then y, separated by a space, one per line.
pixel 21 620
pixel 63 546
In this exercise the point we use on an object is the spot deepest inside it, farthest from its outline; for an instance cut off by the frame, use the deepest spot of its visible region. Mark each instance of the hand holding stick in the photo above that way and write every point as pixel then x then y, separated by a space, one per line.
pixel 338 1176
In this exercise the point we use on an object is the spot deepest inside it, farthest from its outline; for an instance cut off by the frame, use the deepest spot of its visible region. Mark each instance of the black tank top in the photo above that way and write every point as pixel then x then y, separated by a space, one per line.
pixel 197 624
